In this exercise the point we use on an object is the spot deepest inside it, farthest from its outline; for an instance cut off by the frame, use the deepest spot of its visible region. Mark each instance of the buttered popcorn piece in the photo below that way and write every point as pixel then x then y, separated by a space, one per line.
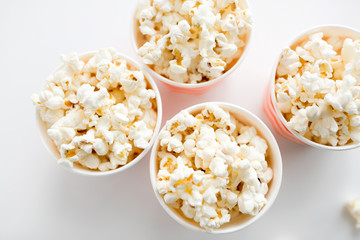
pixel 192 41
pixel 317 89
pixel 100 112
pixel 354 209
pixel 212 167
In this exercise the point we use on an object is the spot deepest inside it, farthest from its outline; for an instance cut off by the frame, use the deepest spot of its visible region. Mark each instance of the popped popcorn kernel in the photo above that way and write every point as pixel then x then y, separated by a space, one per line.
pixel 354 209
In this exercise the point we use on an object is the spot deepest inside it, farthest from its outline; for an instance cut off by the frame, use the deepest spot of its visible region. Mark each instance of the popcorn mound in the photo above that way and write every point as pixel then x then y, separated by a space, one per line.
pixel 212 167
pixel 354 210
pixel 192 41
pixel 100 112
pixel 317 88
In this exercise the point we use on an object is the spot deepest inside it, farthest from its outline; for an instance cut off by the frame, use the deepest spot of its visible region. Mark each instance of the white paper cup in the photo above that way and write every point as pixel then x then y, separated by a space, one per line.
pixel 189 88
pixel 51 147
pixel 270 105
pixel 274 160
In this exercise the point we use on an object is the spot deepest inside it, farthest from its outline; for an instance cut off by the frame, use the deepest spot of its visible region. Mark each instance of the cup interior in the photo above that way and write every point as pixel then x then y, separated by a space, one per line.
pixel 273 159
pixel 329 31
pixel 138 40
pixel 52 148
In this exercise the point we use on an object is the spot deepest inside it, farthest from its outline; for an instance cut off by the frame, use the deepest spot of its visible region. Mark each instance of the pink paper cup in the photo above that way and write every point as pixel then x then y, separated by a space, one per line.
pixel 52 149
pixel 274 160
pixel 270 106
pixel 188 88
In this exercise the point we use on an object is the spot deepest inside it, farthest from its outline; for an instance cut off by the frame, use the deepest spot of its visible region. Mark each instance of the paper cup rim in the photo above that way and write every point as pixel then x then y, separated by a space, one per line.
pixel 46 140
pixel 301 138
pixel 260 126
pixel 190 85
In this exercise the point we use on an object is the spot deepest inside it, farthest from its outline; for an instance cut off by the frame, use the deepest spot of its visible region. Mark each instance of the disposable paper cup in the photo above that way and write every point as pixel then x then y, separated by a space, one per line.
pixel 189 88
pixel 51 147
pixel 270 105
pixel 274 161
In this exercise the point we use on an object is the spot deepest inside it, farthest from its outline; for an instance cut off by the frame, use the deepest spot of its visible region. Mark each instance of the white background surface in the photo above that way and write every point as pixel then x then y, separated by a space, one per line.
pixel 40 200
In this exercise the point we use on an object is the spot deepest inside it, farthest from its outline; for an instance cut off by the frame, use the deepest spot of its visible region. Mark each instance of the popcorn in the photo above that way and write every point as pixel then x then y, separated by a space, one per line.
pixel 120 114
pixel 218 167
pixel 72 60
pixel 141 134
pixel 317 88
pixel 319 48
pixel 90 99
pixel 250 202
pixel 354 209
pixel 120 153
pixel 189 146
pixel 289 63
pixel 209 173
pixel 99 113
pixel 90 161
pixel 189 41
pixel 100 147
pixel 173 143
